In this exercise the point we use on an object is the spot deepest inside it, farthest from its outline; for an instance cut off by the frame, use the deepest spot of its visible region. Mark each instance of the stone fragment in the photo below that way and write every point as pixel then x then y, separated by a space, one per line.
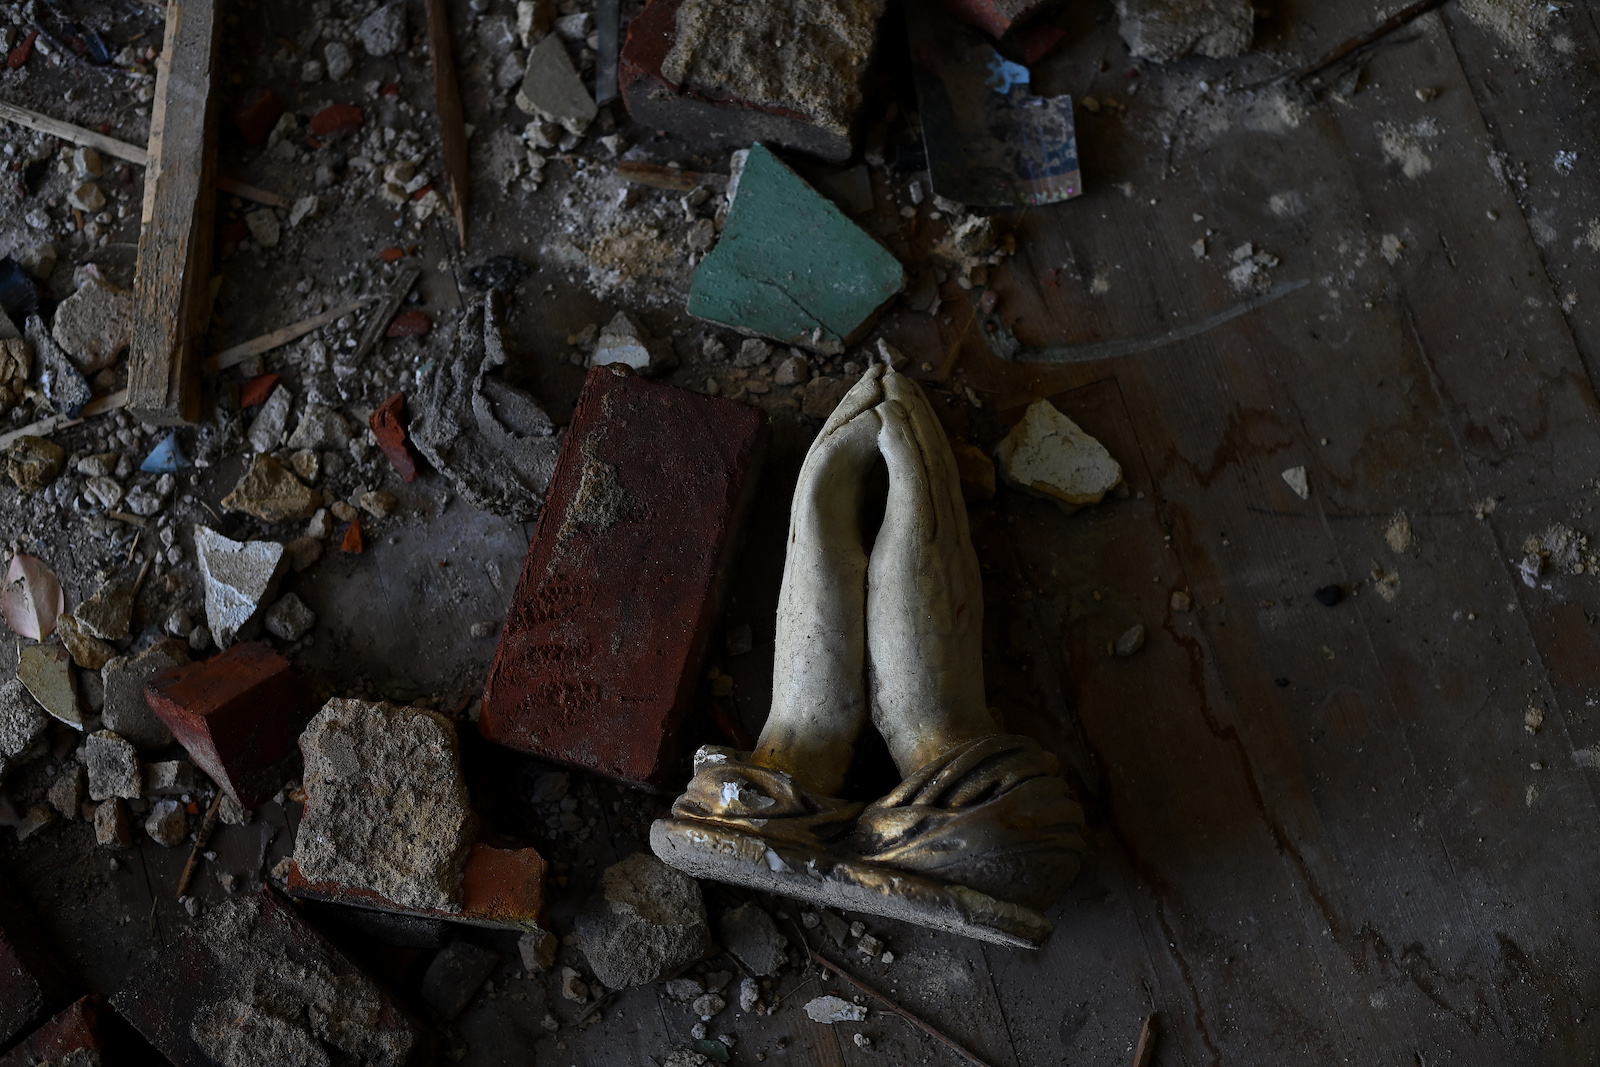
pixel 289 619
pixel 16 365
pixel 46 671
pixel 383 32
pixel 113 766
pixel 238 715
pixel 89 653
pixel 69 790
pixel 455 976
pixel 338 60
pixel 231 812
pixel 239 577
pixel 538 950
pixel 174 777
pixel 731 74
pixel 112 828
pixel 63 385
pixel 647 922
pixel 378 504
pixel 106 492
pixel 389 430
pixel 791 266
pixel 108 613
pixel 303 552
pixel 552 90
pixel 792 371
pixel 749 994
pixel 1164 30
pixel 253 984
pixel 749 933
pixel 87 197
pixel 167 824
pixel 626 342
pixel 386 804
pixel 976 471
pixel 33 462
pixel 602 649
pixel 306 464
pixel 1049 455
pixel 831 1009
pixel 1181 601
pixel 304 208
pixel 33 982
pixel 1295 478
pixel 271 493
pixel 493 441
pixel 264 227
pixel 271 422
pixel 22 726
pixel 95 325
pixel 40 260
pixel 684 990
pixel 322 429
pixel 1131 641
pixel 125 679
pixel 707 1006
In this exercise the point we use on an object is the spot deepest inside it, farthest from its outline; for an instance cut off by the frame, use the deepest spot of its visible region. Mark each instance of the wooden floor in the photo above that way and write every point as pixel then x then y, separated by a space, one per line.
pixel 1318 835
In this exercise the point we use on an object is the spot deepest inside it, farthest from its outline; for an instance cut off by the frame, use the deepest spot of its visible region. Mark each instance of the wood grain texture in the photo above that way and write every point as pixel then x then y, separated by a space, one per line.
pixel 452 123
pixel 172 292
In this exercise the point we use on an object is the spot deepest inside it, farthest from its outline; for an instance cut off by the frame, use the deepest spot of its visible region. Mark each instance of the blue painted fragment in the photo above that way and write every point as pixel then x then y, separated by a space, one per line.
pixel 166 458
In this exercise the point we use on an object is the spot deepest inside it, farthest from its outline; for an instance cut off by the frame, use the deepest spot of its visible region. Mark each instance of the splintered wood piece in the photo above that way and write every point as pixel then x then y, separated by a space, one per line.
pixel 171 287
pixel 1147 1042
pixel 384 313
pixel 938 1035
pixel 452 124
pixel 232 357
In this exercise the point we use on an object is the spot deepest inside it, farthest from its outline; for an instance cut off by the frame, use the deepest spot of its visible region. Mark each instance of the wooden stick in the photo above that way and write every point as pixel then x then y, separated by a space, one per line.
pixel 1372 36
pixel 1147 1042
pixel 130 153
pixel 669 178
pixel 384 314
pixel 172 285
pixel 452 122
pixel 937 1035
pixel 232 357
pixel 200 840
pixel 45 427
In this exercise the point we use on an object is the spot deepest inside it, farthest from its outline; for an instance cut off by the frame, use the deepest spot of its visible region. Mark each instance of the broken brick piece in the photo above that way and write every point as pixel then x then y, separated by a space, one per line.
pixel 389 428
pixel 21 54
pixel 501 888
pixel 411 323
pixel 995 17
pixel 258 116
pixel 393 255
pixel 239 716
pixel 252 980
pixel 731 74
pixel 353 541
pixel 600 657
pixel 336 119
pixel 88 1025
pixel 258 389
pixel 33 982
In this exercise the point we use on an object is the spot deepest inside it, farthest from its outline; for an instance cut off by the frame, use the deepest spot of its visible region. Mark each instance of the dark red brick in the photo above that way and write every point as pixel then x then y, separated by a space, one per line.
pixel 163 1003
pixel 32 981
pixel 354 542
pixel 258 116
pixel 389 428
pixel 600 657
pixel 411 323
pixel 239 716
pixel 23 52
pixel 393 255
pixel 89 1024
pixel 500 887
pixel 258 389
pixel 336 119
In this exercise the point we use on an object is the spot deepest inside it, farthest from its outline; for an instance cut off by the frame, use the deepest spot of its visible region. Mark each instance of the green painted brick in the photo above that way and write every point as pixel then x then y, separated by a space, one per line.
pixel 791 266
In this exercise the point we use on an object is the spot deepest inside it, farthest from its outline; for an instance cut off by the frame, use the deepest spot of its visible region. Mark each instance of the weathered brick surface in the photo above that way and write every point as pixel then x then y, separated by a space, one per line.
pixel 601 652
pixel 501 887
pixel 32 980
pixel 995 16
pixel 88 1024
pixel 239 716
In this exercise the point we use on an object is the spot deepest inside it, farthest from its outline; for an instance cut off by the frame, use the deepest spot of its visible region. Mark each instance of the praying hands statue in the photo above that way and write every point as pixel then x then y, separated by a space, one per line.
pixel 980 833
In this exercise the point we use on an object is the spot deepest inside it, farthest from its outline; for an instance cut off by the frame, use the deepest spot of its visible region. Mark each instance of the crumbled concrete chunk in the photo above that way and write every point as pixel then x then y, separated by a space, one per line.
pixel 22 726
pixel 1295 478
pixel 87 197
pixel 64 386
pixel 33 462
pixel 455 976
pixel 238 576
pixel 684 990
pixel 113 766
pixel 124 679
pixel 1131 641
pixel 109 613
pixel 289 619
pixel 271 493
pixel 831 1009
pixel 271 422
pixel 69 790
pixel 167 824
pixel 111 826
pixel 16 363
pixel 552 90
pixel 648 922
pixel 172 776
pixel 625 341
pixel 321 429
pixel 378 504
pixel 94 325
pixel 337 59
pixel 387 807
pixel 1164 30
pixel 749 994
pixel 708 1006
pixel 383 32
pixel 538 951
pixel 749 933
pixel 1049 455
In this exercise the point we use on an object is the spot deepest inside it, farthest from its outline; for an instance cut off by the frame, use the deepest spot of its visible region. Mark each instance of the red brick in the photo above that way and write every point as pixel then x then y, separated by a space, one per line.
pixel 258 116
pixel 32 981
pixel 353 541
pixel 393 255
pixel 258 389
pixel 336 119
pixel 411 323
pixel 389 428
pixel 163 1003
pixel 500 887
pixel 239 716
pixel 995 17
pixel 21 54
pixel 600 657
pixel 89 1024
